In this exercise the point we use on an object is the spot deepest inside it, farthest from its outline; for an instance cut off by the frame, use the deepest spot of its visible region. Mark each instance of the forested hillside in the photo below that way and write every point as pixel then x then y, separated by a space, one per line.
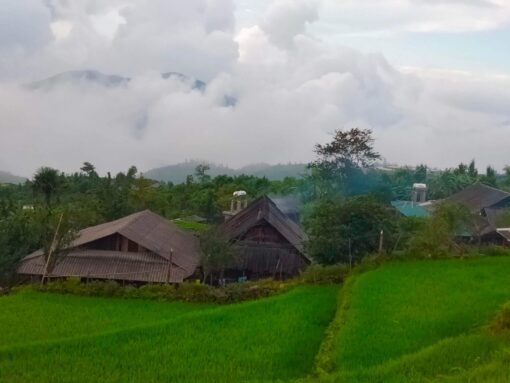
pixel 177 173
pixel 8 178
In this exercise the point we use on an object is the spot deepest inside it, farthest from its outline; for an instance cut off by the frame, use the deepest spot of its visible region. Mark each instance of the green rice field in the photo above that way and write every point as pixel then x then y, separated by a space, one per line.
pixel 58 338
pixel 424 321
pixel 418 321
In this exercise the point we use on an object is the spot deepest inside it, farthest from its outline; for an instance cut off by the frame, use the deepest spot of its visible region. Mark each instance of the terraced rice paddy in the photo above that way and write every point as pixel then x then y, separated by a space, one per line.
pixel 403 322
pixel 59 338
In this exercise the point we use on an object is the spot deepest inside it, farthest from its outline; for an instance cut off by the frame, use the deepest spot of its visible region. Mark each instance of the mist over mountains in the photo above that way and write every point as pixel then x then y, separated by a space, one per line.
pixel 177 173
pixel 105 80
pixel 9 178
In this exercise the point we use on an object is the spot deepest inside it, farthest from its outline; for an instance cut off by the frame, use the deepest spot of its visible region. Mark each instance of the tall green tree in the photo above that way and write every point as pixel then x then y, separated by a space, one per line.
pixel 340 161
pixel 47 182
pixel 201 173
pixel 490 178
pixel 217 254
pixel 89 169
pixel 472 170
pixel 347 230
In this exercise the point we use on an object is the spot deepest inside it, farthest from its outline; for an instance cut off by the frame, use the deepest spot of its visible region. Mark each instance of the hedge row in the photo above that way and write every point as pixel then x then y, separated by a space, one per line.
pixel 189 292
pixel 194 292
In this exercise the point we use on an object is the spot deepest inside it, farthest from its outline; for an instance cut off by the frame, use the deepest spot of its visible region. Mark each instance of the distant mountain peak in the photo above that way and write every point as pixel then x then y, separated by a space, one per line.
pixel 90 76
pixel 197 84
pixel 80 76
pixel 9 178
pixel 177 173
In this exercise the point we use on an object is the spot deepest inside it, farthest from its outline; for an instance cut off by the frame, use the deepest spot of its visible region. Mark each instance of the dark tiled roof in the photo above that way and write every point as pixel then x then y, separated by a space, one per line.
pixel 264 209
pixel 479 196
pixel 505 233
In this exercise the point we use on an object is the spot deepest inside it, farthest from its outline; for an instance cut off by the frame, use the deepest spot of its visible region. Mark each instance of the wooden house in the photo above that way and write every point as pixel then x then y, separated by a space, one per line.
pixel 492 206
pixel 269 243
pixel 143 247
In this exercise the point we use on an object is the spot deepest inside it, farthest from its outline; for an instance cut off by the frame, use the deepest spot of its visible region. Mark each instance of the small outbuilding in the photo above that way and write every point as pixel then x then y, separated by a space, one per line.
pixel 142 247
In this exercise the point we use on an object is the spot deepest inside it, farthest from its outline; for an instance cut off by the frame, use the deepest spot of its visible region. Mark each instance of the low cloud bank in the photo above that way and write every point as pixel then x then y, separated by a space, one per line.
pixel 291 91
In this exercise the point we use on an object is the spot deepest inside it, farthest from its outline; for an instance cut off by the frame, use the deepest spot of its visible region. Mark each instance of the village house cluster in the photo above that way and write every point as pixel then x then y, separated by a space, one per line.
pixel 147 248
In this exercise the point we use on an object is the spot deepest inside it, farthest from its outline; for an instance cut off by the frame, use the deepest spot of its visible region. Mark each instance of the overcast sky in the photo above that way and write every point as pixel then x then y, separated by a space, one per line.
pixel 430 77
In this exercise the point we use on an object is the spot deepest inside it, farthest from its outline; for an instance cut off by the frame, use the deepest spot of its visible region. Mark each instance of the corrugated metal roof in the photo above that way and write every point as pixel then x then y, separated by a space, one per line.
pixel 102 264
pixel 149 230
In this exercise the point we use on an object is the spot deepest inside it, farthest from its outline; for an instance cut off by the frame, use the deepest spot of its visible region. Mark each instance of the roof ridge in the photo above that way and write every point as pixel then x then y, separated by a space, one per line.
pixel 490 187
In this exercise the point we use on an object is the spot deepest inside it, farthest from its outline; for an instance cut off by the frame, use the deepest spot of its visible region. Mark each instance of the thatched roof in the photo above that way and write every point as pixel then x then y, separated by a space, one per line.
pixel 156 234
pixel 264 209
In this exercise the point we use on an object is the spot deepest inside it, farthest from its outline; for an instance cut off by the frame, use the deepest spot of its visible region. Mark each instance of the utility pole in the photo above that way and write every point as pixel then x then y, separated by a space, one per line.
pixel 51 250
pixel 350 254
pixel 381 241
pixel 169 271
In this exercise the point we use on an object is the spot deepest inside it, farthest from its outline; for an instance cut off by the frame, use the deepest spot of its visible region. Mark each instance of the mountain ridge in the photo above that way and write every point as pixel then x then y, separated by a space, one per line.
pixel 105 80
pixel 9 178
pixel 177 173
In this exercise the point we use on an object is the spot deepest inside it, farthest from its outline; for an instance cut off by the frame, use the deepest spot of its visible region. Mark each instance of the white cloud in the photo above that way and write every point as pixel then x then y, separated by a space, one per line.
pixel 292 91
pixel 389 16
pixel 286 19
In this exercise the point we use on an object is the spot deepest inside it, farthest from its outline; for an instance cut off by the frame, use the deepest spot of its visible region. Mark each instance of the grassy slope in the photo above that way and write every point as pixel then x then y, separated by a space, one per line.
pixel 415 321
pixel 192 226
pixel 274 338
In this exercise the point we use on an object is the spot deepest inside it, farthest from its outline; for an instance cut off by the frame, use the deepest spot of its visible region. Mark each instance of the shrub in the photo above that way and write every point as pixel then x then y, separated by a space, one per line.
pixel 494 251
pixel 189 292
pixel 237 292
pixel 325 274
pixel 501 322
pixel 194 292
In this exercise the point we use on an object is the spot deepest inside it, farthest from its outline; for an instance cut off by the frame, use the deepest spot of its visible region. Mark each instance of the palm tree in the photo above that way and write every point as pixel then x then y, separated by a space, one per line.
pixel 46 181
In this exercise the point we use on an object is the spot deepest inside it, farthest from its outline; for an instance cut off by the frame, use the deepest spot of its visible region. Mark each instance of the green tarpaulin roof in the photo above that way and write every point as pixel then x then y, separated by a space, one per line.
pixel 410 209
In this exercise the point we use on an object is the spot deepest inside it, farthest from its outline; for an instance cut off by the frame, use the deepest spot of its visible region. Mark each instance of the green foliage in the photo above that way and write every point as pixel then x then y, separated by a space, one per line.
pixel 401 180
pixel 506 180
pixel 85 340
pixel 420 320
pixel 449 182
pixel 345 230
pixel 493 251
pixel 18 237
pixel 325 274
pixel 196 227
pixel 437 237
pixel 217 253
pixel 188 292
pixel 503 218
pixel 501 322
pixel 47 181
pixel 338 167
pixel 87 199
pixel 490 178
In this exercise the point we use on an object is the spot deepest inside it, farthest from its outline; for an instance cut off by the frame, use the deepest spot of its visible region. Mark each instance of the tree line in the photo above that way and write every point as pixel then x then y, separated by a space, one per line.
pixel 345 201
